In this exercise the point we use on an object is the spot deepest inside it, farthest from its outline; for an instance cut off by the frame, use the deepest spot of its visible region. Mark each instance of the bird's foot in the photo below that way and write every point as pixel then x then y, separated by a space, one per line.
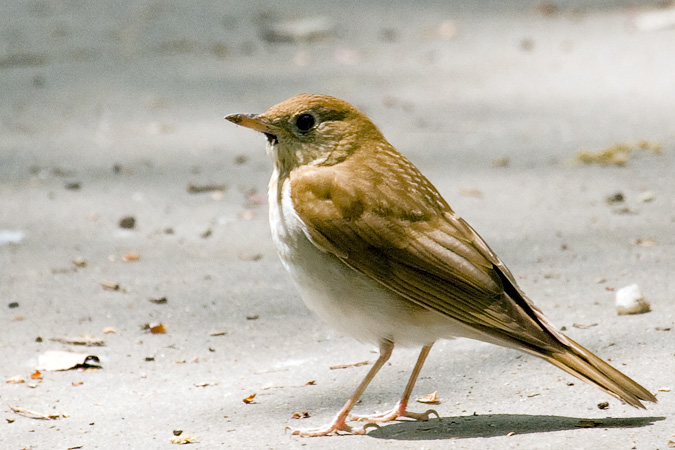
pixel 397 412
pixel 336 426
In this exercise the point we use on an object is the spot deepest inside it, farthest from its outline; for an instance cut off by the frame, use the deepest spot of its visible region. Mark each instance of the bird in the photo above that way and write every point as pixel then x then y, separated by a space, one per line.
pixel 376 252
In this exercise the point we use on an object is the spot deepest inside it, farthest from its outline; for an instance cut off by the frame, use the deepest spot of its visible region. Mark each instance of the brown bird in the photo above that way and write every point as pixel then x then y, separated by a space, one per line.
pixel 377 253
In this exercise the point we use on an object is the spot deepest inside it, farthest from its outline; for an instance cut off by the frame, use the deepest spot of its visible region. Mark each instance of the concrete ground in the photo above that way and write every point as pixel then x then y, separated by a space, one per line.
pixel 114 109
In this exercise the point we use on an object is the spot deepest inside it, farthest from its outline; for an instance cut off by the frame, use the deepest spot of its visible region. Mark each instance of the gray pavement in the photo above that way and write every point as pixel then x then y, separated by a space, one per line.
pixel 113 109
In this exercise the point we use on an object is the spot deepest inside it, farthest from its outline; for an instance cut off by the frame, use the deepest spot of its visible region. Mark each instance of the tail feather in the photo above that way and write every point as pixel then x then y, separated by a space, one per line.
pixel 583 364
pixel 563 352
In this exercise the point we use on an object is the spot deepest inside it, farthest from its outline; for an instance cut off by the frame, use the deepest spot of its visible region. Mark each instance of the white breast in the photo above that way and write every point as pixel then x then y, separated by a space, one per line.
pixel 347 300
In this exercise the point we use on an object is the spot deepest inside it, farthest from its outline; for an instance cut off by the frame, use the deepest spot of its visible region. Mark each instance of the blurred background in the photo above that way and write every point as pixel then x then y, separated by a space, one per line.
pixel 121 184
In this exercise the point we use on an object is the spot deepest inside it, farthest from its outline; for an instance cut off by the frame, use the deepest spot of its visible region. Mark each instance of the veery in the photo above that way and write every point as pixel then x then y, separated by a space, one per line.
pixel 377 253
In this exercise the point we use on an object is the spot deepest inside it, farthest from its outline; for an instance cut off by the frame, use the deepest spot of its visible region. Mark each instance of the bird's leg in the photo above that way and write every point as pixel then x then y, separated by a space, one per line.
pixel 400 410
pixel 339 423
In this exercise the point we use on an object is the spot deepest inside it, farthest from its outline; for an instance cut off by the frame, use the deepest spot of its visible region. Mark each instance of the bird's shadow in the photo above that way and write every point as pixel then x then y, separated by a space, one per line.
pixel 492 425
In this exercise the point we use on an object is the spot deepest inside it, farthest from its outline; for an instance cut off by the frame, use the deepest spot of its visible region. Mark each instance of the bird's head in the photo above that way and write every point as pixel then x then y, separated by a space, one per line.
pixel 311 130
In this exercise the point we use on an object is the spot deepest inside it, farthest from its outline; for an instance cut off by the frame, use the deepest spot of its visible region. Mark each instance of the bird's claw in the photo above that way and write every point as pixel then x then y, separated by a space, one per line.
pixel 395 414
pixel 422 416
pixel 337 426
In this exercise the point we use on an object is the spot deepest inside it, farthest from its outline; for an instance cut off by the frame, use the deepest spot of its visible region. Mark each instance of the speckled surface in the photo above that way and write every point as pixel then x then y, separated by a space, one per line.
pixel 113 109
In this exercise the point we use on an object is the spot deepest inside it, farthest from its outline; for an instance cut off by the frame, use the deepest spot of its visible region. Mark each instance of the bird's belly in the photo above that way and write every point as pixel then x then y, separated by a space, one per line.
pixel 356 305
pixel 349 301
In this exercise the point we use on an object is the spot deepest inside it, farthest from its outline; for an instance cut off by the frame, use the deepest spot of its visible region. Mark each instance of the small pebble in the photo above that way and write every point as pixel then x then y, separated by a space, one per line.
pixel 617 197
pixel 629 300
pixel 647 196
pixel 128 222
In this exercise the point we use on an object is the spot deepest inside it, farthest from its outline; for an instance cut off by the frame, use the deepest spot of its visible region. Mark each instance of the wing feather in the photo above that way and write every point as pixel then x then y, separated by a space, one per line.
pixel 406 237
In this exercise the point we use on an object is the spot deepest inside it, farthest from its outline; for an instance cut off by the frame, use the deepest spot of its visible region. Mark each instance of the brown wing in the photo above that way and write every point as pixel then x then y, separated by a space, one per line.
pixel 380 216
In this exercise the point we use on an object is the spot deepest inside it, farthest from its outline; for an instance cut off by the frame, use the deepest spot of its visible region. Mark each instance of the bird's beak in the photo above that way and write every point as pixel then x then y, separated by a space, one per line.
pixel 257 123
pixel 251 121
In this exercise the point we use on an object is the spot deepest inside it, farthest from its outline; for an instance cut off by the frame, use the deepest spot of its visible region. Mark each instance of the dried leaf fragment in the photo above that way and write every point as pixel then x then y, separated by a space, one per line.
pixel 471 192
pixel 15 379
pixel 79 261
pixel 584 326
pixel 645 242
pixel 37 375
pixel 110 286
pixel 616 155
pixel 248 400
pixel 181 440
pixel 431 398
pixel 85 339
pixel 35 415
pixel 160 328
pixel 302 29
pixel 615 198
pixel 300 415
pixel 218 333
pixel 109 330
pixel 131 256
pixel 347 366
pixel 201 188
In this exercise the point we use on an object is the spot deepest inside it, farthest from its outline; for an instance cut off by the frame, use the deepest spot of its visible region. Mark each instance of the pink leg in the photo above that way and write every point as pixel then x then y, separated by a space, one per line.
pixel 400 410
pixel 339 423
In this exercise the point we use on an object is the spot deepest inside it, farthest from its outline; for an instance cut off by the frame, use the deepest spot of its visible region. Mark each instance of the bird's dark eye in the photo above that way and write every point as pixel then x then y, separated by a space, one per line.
pixel 305 122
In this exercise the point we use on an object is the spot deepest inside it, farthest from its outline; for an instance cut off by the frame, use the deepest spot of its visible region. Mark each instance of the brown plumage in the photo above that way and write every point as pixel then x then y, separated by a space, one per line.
pixel 348 210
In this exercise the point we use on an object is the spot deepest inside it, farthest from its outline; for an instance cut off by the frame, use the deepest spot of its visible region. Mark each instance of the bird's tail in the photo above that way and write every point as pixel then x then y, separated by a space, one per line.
pixel 583 364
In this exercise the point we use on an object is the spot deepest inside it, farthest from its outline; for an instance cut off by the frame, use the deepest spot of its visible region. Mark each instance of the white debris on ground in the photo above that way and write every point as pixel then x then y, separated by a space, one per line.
pixel 11 236
pixel 629 300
